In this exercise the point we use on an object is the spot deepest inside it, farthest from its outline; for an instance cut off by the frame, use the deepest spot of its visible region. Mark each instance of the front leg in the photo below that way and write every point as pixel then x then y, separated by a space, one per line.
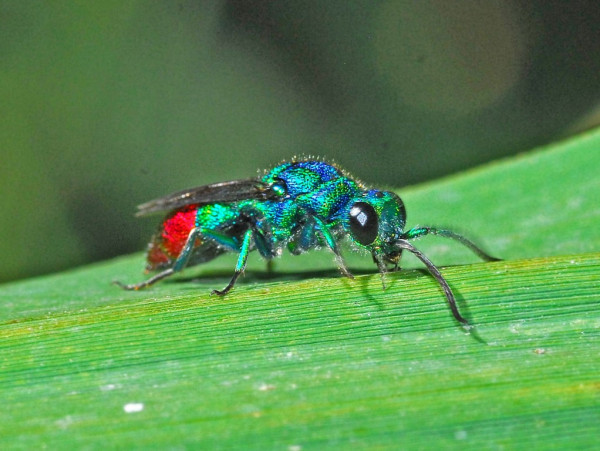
pixel 383 261
pixel 383 270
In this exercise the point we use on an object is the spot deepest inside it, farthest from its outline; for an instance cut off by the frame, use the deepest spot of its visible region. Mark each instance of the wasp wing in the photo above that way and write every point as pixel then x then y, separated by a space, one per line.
pixel 233 191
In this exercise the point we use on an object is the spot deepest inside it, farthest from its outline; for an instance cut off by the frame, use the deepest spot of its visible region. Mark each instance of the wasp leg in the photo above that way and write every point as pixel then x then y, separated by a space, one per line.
pixel 265 249
pixel 270 266
pixel 241 263
pixel 232 243
pixel 139 286
pixel 418 232
pixel 303 238
pixel 180 263
pixel 383 270
pixel 331 244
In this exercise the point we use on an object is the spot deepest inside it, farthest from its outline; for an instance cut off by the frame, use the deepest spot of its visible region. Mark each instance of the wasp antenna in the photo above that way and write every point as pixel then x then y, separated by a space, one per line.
pixel 437 275
pixel 418 232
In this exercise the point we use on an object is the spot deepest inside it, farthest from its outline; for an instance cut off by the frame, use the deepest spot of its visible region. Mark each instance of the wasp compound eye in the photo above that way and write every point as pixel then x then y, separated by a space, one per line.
pixel 364 224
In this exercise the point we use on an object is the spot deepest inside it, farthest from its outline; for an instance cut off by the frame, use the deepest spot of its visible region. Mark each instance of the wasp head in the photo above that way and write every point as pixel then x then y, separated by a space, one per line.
pixel 376 222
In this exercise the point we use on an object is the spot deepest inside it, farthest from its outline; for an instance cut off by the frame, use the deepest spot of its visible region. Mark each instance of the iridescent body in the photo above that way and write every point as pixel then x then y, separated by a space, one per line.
pixel 300 205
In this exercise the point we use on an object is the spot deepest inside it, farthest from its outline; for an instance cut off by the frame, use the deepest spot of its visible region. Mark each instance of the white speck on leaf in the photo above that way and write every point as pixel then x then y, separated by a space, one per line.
pixel 266 387
pixel 460 435
pixel 132 407
pixel 109 387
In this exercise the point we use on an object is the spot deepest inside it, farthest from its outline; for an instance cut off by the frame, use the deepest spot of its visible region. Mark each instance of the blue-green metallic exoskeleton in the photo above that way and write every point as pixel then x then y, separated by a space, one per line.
pixel 301 205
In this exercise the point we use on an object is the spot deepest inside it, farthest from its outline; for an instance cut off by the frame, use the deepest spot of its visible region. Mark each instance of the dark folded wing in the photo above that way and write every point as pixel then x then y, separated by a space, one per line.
pixel 224 192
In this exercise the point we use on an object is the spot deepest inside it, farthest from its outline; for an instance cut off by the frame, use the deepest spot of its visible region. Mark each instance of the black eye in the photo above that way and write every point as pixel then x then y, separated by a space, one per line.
pixel 364 224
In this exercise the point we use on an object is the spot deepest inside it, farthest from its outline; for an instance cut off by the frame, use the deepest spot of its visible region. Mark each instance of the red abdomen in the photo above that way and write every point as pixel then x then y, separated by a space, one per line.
pixel 167 243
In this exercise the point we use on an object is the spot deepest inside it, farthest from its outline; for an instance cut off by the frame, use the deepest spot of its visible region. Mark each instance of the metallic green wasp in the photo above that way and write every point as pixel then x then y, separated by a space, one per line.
pixel 299 205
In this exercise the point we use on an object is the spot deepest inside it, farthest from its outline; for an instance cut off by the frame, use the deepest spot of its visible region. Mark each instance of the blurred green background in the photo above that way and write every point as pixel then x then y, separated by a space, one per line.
pixel 109 104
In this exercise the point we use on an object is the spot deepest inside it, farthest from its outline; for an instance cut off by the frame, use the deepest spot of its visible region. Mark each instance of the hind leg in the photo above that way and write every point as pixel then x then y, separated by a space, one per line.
pixel 179 264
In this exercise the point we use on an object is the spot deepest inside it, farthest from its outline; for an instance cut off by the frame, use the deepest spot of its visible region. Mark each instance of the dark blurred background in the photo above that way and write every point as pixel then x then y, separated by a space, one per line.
pixel 108 104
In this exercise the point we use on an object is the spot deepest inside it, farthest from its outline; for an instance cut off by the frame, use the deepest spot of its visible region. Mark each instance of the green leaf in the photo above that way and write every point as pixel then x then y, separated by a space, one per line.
pixel 302 359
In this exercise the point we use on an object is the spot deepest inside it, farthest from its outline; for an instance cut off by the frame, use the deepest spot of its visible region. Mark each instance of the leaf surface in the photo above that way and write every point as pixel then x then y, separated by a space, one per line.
pixel 302 359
